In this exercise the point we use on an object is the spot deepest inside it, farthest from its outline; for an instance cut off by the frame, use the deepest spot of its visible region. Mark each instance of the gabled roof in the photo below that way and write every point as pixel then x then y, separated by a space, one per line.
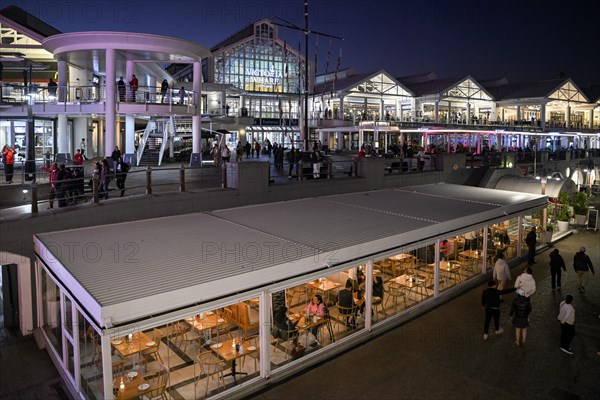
pixel 242 34
pixel 351 82
pixel 525 90
pixel 440 86
pixel 28 21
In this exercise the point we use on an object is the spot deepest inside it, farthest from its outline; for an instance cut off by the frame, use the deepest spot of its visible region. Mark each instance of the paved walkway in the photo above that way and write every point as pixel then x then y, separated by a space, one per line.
pixel 440 355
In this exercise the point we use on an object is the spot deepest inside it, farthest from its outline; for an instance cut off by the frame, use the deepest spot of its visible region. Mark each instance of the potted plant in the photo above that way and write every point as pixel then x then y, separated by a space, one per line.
pixel 563 216
pixel 580 207
pixel 546 235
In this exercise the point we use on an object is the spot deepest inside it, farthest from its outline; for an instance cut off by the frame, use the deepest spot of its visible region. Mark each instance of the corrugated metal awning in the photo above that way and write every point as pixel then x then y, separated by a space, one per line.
pixel 129 271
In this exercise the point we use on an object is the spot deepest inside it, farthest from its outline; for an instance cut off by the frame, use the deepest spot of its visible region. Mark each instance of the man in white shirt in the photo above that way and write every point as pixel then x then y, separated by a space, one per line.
pixel 566 317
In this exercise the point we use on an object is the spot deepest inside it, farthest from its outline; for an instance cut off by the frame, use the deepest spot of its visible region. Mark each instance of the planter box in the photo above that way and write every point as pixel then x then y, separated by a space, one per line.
pixel 546 236
pixel 563 226
pixel 580 219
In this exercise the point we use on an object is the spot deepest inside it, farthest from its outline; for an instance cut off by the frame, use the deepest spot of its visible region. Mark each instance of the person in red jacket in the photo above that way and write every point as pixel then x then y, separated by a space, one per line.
pixel 8 158
pixel 78 158
pixel 52 172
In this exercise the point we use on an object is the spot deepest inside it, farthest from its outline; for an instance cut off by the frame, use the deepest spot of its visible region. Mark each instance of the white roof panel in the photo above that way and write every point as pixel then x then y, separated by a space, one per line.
pixel 131 270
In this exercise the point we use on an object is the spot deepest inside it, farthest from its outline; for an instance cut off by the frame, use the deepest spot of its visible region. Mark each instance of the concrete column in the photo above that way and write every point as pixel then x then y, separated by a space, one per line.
pixel 152 88
pixel 81 126
pixel 568 115
pixel 381 109
pixel 223 102
pixel 339 141
pixel 494 113
pixel 543 117
pixel 111 82
pixel 449 114
pixel 365 108
pixel 63 80
pixel 518 117
pixel 61 135
pixel 196 158
pixel 129 134
pixel 468 113
pixel 341 109
pixel 436 111
pixel 128 75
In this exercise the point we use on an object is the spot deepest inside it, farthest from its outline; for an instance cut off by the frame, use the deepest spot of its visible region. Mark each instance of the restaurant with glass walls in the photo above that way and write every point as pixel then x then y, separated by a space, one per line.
pixel 258 297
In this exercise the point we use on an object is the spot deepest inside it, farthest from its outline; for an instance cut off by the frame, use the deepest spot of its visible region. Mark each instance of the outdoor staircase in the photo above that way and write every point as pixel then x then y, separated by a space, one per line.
pixel 151 152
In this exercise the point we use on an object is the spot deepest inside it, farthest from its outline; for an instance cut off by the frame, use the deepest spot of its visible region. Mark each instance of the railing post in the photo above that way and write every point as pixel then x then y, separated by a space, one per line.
pixel 148 180
pixel 224 175
pixel 34 198
pixel 182 178
pixel 95 180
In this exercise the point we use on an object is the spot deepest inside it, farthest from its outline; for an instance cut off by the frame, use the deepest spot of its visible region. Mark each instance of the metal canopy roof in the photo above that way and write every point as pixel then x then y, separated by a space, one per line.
pixel 129 271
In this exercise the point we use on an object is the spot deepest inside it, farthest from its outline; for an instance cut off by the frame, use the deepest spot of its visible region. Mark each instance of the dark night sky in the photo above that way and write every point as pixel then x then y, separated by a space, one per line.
pixel 520 39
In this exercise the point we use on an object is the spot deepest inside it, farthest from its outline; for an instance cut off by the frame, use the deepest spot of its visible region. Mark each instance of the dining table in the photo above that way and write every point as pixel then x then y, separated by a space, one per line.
pixel 230 353
pixel 133 386
pixel 325 285
pixel 126 347
pixel 204 323
pixel 471 254
pixel 306 325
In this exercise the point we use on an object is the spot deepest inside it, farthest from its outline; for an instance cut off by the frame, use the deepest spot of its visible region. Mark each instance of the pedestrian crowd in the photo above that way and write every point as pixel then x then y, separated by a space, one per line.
pixel 525 287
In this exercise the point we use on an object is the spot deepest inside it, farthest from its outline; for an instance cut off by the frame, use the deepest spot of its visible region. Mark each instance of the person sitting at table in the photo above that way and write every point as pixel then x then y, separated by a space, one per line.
pixel 444 250
pixel 282 324
pixel 378 287
pixel 315 307
pixel 346 300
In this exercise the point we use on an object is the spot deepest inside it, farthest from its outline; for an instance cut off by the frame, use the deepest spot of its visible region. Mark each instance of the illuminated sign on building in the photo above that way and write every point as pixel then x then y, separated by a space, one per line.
pixel 264 76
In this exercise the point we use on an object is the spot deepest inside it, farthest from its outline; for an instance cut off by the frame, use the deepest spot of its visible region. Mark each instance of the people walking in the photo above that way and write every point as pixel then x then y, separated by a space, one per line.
pixel 82 147
pixel 78 158
pixel 526 282
pixel 490 303
pixel 519 315
pixel 248 148
pixel 291 159
pixel 164 87
pixel 566 317
pixel 52 172
pixel 121 169
pixel 531 241
pixel 582 265
pixel 556 264
pixel 239 152
pixel 501 271
pixel 8 159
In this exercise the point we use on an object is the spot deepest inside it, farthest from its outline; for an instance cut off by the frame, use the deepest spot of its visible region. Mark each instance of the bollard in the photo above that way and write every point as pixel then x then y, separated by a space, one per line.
pixel 95 180
pixel 148 180
pixel 182 178
pixel 34 198
pixel 224 176
pixel 300 171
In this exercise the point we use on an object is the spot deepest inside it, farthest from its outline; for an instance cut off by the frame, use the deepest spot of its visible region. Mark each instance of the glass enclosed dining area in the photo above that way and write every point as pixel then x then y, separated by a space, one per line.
pixel 161 309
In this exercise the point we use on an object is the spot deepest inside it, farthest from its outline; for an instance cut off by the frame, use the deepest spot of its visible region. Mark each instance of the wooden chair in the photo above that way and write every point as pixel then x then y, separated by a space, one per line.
pixel 283 336
pixel 158 384
pixel 378 302
pixel 348 314
pixel 395 292
pixel 118 364
pixel 152 351
pixel 251 340
pixel 223 330
pixel 210 365
pixel 297 291
pixel 386 266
